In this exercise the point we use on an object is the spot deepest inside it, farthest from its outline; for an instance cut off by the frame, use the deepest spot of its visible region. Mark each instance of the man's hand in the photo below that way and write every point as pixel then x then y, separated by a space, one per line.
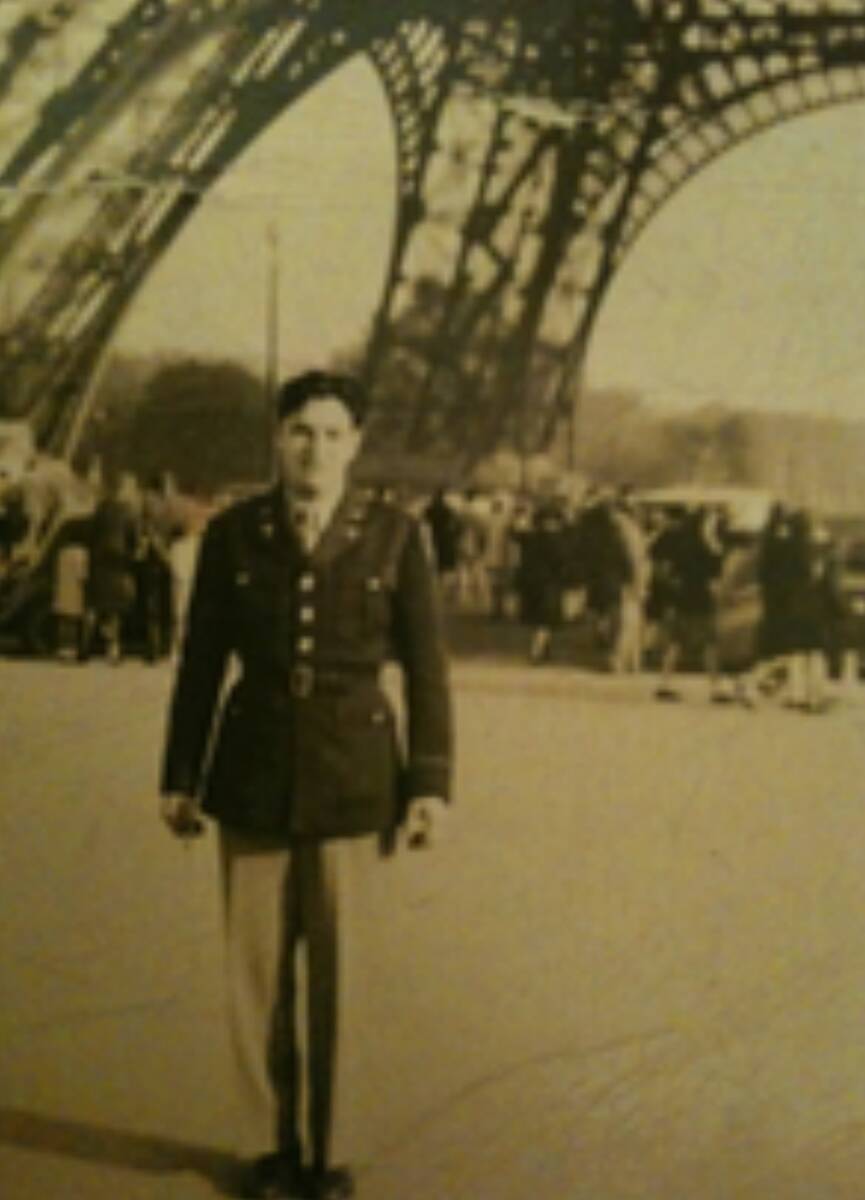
pixel 425 822
pixel 182 815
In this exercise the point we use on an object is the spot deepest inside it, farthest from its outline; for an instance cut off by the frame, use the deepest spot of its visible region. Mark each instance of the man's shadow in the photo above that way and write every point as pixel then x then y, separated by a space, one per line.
pixel 100 1144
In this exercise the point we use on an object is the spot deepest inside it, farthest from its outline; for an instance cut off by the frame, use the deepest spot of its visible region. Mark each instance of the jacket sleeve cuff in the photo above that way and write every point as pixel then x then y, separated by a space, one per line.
pixel 428 777
pixel 178 782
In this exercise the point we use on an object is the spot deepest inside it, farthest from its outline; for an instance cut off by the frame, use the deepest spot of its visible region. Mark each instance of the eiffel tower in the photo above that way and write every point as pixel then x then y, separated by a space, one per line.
pixel 535 140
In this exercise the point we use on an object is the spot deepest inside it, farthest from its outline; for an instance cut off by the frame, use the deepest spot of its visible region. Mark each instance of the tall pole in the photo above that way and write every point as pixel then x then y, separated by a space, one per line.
pixel 271 336
pixel 271 350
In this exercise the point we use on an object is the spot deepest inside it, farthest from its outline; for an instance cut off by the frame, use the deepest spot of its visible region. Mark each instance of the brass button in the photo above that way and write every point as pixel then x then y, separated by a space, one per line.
pixel 301 681
pixel 306 614
pixel 305 645
pixel 306 583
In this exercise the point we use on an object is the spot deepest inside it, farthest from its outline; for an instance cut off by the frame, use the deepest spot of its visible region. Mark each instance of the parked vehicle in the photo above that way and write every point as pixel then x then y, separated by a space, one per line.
pixel 744 509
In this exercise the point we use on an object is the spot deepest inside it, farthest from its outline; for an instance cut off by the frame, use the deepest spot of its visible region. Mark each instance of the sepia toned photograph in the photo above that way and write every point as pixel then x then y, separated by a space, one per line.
pixel 432 599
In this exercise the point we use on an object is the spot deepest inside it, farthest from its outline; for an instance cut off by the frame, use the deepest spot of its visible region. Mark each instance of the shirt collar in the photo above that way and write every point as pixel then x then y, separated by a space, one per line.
pixel 322 507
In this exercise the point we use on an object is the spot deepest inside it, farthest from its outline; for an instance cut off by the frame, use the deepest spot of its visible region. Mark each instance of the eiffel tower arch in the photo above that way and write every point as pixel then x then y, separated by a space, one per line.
pixel 534 143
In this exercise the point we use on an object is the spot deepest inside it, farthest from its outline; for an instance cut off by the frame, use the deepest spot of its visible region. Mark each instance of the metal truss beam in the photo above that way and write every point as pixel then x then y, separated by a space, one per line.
pixel 534 144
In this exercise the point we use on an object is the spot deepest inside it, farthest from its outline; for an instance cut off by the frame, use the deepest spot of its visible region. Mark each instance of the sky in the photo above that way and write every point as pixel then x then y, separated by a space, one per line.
pixel 748 288
pixel 323 179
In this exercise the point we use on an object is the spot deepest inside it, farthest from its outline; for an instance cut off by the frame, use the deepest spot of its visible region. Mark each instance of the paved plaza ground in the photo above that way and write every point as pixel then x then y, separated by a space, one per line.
pixel 635 970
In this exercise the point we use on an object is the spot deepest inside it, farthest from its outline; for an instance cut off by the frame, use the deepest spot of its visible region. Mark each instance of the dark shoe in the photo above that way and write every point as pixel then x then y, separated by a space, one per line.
pixel 334 1183
pixel 274 1177
pixel 666 693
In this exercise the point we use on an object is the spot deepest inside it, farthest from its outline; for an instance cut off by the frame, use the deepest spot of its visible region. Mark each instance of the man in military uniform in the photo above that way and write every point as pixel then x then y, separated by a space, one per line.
pixel 308 589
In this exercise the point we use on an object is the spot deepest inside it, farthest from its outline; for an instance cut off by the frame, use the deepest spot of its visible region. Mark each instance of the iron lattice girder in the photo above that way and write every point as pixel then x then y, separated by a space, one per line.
pixel 676 99
pixel 258 67
pixel 534 141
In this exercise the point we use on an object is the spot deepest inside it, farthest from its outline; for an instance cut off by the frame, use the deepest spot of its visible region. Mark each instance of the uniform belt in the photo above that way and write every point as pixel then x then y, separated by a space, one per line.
pixel 306 678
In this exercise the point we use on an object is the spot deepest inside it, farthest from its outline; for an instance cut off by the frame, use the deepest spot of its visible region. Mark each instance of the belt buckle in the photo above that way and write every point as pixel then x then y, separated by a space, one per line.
pixel 301 680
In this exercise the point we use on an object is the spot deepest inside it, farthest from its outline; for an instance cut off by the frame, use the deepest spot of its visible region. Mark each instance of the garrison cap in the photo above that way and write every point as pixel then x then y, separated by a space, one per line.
pixel 314 385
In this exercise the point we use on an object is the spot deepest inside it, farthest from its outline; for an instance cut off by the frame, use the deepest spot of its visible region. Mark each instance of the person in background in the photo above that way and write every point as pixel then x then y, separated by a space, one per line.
pixel 777 573
pixel 847 556
pixel 14 524
pixel 472 583
pixel 443 523
pixel 687 558
pixel 628 633
pixel 812 610
pixel 835 613
pixel 603 566
pixel 542 576
pixel 154 608
pixel 306 589
pixel 69 603
pixel 111 582
pixel 498 553
pixel 153 600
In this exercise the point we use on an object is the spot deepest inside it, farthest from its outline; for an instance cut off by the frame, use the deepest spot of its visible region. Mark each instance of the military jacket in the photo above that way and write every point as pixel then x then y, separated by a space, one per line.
pixel 305 743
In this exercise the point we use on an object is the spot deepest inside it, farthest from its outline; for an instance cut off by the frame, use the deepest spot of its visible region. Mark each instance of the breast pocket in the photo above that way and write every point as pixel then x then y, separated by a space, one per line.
pixel 363 606
pixel 258 589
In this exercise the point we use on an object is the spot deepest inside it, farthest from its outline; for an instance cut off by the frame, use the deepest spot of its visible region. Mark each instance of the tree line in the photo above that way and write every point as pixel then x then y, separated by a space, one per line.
pixel 209 424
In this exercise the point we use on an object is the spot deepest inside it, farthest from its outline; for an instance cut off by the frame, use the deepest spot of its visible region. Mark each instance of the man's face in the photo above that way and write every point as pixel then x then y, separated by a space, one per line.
pixel 315 447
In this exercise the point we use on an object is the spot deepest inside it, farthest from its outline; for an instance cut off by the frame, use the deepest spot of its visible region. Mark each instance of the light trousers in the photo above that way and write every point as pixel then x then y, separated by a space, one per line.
pixel 627 653
pixel 285 952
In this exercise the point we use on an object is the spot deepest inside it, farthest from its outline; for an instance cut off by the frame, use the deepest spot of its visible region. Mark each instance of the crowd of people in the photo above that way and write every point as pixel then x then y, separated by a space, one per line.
pixel 806 616
pixel 113 582
pixel 114 571
pixel 660 587
pixel 657 588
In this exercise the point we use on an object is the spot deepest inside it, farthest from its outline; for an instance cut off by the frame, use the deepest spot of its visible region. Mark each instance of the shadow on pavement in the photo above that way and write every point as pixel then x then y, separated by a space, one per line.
pixel 116 1147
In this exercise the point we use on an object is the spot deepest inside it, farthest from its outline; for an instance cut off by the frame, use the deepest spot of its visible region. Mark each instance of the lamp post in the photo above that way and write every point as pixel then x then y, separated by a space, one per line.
pixel 271 333
pixel 271 349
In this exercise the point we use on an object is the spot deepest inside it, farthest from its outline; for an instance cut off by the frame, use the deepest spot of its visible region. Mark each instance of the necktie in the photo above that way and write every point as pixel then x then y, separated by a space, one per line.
pixel 307 522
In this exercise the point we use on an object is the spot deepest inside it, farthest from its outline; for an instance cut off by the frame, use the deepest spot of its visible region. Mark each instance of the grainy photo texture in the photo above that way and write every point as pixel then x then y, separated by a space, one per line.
pixel 432 599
